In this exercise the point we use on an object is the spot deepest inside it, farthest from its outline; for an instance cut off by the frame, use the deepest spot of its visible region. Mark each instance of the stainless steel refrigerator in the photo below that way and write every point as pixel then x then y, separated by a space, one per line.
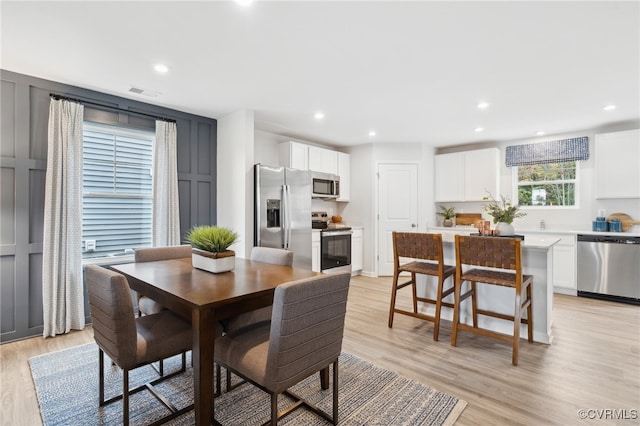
pixel 282 216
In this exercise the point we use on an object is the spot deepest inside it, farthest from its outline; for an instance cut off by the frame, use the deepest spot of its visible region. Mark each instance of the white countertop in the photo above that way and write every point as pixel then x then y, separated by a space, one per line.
pixel 530 241
pixel 575 231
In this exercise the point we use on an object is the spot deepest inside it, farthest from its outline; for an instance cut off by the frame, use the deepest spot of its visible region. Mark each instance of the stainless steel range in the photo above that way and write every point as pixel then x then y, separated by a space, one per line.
pixel 335 242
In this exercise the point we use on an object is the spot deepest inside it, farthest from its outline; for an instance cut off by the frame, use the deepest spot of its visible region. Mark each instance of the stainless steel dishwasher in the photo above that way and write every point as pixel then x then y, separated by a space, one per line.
pixel 609 267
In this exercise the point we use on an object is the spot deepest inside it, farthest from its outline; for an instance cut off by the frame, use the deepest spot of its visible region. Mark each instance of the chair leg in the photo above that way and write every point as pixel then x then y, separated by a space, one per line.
pixel 335 392
pixel 324 378
pixel 125 397
pixel 516 326
pixel 394 290
pixel 529 315
pixel 274 409
pixel 474 304
pixel 101 377
pixel 436 321
pixel 218 389
pixel 414 292
pixel 456 312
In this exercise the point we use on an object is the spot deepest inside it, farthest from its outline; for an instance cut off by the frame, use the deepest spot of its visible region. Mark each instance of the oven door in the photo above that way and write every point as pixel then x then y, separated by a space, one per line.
pixel 335 251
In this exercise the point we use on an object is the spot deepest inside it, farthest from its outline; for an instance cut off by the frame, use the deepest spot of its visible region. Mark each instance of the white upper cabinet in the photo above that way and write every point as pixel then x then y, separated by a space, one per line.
pixel 617 158
pixel 294 155
pixel 344 171
pixel 323 160
pixel 468 175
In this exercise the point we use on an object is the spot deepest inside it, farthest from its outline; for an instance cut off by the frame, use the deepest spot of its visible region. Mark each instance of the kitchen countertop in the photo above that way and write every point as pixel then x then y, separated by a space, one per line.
pixel 529 241
pixel 551 231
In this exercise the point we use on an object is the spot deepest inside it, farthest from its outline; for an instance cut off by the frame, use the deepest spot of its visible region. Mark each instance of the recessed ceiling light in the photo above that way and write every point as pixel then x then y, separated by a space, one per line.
pixel 319 115
pixel 478 129
pixel 161 68
pixel 483 105
pixel 372 132
pixel 609 108
pixel 540 132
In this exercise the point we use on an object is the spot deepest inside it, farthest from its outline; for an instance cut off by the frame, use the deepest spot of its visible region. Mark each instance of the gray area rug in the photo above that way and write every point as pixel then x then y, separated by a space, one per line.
pixel 67 387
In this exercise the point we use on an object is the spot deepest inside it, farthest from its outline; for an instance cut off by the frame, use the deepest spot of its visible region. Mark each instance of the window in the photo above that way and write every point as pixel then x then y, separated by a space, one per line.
pixel 117 184
pixel 551 184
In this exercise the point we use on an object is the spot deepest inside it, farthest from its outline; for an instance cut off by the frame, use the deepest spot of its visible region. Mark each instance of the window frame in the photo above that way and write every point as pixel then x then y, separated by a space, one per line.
pixel 123 130
pixel 516 185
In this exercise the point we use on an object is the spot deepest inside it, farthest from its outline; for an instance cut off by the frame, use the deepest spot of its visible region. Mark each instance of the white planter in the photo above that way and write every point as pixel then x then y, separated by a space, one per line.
pixel 213 262
pixel 504 228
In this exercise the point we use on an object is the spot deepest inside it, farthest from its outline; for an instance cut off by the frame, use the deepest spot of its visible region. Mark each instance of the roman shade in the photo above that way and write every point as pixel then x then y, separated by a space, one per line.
pixel 548 152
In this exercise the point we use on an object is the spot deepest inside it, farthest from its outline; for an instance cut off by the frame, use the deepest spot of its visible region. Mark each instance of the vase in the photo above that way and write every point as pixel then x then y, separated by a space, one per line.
pixel 216 262
pixel 505 228
pixel 448 223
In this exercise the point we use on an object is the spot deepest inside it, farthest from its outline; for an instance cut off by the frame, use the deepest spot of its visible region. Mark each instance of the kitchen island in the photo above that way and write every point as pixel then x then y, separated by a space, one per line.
pixel 537 260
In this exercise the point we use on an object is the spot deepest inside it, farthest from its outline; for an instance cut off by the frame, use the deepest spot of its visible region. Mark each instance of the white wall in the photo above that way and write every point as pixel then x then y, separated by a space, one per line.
pixel 235 177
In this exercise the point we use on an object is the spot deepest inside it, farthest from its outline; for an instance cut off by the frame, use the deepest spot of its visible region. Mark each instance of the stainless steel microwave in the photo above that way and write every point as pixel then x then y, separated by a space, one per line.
pixel 325 185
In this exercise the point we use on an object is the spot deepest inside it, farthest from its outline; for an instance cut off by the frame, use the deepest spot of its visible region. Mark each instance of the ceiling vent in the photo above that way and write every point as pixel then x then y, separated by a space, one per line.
pixel 145 92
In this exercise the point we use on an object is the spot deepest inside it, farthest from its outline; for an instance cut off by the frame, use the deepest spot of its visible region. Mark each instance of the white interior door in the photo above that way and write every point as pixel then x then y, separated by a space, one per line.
pixel 397 208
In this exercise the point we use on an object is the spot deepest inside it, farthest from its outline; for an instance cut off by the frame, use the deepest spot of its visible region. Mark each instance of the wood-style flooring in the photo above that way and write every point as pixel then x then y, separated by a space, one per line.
pixel 592 364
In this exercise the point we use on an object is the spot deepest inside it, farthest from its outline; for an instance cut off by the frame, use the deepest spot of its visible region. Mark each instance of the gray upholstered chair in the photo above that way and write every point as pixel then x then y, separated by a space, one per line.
pixel 303 337
pixel 270 255
pixel 147 306
pixel 132 342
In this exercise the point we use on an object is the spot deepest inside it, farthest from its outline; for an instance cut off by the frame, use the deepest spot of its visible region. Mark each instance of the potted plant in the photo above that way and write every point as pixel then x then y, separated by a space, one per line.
pixel 211 248
pixel 448 214
pixel 503 213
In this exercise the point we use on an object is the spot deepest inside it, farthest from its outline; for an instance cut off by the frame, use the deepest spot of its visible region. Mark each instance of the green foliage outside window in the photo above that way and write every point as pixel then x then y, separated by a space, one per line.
pixel 552 184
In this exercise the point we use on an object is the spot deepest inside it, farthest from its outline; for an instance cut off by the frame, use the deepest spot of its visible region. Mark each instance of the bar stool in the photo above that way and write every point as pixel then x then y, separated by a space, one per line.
pixel 426 252
pixel 497 253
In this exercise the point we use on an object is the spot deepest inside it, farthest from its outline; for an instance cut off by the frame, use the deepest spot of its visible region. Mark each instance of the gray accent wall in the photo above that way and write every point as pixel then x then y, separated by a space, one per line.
pixel 24 115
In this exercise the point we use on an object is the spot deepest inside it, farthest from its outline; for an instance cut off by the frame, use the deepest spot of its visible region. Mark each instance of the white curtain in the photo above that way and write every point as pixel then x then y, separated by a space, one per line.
pixel 62 287
pixel 166 213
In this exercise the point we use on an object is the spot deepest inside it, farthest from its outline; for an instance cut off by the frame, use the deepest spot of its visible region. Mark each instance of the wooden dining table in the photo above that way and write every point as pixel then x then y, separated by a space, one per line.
pixel 204 298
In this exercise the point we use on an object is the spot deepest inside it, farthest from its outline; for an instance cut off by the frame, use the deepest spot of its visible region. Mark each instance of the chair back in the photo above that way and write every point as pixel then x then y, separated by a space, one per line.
pixel 271 255
pixel 114 327
pixel 491 252
pixel 417 245
pixel 152 254
pixel 307 327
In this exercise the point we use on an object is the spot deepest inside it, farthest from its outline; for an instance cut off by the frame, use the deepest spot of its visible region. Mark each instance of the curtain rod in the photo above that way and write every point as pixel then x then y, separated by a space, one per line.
pixel 66 98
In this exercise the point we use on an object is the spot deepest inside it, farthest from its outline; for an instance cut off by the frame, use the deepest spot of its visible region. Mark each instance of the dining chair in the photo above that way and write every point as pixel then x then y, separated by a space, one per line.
pixel 274 256
pixel 132 342
pixel 304 337
pixel 501 265
pixel 146 305
pixel 420 253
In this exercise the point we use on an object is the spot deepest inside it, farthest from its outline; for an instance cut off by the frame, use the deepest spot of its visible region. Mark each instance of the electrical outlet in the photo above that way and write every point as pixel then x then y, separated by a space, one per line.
pixel 90 245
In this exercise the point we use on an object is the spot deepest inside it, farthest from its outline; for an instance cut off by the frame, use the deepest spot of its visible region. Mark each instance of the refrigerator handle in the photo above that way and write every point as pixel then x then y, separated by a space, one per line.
pixel 285 222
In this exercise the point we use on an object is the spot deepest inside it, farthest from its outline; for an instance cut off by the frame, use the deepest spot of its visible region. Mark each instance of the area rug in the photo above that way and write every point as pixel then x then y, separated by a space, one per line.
pixel 67 388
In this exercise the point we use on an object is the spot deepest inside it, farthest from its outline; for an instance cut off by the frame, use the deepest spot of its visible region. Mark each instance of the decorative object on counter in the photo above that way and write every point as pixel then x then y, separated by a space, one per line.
pixel 503 213
pixel 614 225
pixel 468 219
pixel 211 248
pixel 625 220
pixel 600 224
pixel 336 219
pixel 448 214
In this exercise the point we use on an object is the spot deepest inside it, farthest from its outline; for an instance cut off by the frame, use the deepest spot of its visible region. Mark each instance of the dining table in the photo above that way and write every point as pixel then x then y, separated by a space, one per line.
pixel 204 298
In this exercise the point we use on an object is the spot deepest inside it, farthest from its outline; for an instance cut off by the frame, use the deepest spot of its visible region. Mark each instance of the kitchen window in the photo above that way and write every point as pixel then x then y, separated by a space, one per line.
pixel 547 185
pixel 117 185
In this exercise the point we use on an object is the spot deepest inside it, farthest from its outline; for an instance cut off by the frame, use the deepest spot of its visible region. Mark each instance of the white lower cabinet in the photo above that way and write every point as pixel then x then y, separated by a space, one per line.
pixel 564 263
pixel 315 251
pixel 356 250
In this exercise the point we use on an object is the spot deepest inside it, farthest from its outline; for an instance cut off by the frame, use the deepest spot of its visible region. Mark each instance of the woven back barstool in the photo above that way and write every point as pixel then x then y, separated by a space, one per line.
pixel 494 255
pixel 421 253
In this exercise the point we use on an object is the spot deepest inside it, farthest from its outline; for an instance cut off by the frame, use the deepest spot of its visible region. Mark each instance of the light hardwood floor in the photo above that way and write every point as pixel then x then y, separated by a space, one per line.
pixel 593 363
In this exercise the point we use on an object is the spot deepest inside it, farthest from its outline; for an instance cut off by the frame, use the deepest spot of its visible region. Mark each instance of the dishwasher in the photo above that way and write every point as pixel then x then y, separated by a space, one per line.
pixel 609 267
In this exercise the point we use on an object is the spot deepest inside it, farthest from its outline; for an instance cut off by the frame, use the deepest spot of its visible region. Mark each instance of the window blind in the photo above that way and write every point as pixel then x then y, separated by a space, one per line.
pixel 548 152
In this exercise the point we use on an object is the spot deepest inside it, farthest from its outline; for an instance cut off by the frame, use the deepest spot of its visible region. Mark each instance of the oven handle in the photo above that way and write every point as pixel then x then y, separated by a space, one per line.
pixel 336 233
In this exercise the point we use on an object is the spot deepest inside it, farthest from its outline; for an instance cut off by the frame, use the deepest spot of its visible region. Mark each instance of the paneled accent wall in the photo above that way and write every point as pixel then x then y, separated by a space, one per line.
pixel 24 109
